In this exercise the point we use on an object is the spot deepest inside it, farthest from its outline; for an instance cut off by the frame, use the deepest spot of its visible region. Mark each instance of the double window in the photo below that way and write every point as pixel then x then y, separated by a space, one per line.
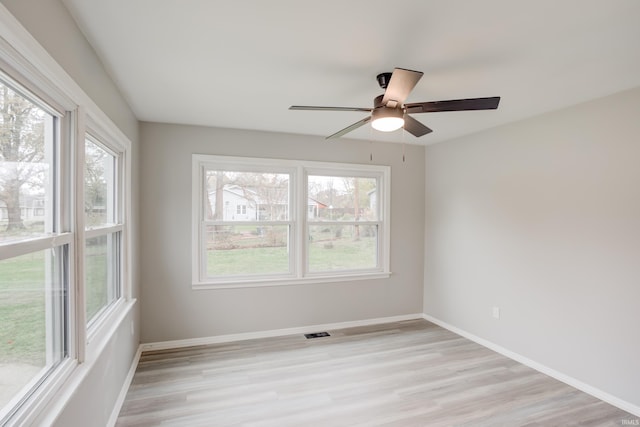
pixel 60 262
pixel 272 221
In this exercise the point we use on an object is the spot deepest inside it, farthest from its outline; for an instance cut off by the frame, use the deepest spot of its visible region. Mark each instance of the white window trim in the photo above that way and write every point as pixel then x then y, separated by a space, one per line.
pixel 101 320
pixel 59 235
pixel 29 64
pixel 299 171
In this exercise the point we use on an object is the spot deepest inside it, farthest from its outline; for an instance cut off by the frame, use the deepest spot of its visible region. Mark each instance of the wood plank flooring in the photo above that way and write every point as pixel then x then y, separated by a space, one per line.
pixel 411 373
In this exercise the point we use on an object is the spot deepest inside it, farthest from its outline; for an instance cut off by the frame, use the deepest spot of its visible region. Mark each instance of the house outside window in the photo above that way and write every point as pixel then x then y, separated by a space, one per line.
pixel 343 234
pixel 293 222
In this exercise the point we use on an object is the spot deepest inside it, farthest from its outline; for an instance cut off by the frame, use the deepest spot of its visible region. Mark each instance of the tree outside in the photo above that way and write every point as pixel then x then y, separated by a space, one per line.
pixel 98 171
pixel 24 184
pixel 24 168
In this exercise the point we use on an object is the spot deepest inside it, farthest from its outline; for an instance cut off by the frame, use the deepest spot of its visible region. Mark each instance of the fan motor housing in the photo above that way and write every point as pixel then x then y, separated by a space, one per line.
pixel 377 101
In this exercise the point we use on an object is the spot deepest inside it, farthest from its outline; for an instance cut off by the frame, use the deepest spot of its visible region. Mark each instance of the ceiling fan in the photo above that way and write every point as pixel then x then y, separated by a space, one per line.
pixel 389 111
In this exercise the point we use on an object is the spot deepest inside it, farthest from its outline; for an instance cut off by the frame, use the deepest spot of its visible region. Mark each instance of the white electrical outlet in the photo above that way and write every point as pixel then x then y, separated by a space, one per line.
pixel 496 312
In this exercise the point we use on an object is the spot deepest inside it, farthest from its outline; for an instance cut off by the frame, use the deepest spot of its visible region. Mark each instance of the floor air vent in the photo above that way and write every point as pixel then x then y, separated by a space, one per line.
pixel 317 335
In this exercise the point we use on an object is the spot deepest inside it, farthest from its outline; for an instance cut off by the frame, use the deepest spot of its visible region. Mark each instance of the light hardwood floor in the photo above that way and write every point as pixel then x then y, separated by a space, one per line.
pixel 411 373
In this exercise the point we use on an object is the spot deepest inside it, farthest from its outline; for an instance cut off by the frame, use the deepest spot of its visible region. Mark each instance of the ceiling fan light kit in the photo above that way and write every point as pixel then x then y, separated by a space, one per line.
pixel 390 113
pixel 387 119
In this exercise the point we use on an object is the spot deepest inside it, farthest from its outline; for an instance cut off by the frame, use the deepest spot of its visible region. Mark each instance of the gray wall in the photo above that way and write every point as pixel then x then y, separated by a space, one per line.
pixel 93 401
pixel 171 310
pixel 52 26
pixel 542 219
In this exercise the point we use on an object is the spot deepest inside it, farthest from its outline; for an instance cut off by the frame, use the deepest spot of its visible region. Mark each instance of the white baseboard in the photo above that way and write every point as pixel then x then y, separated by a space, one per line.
pixel 165 345
pixel 595 392
pixel 125 388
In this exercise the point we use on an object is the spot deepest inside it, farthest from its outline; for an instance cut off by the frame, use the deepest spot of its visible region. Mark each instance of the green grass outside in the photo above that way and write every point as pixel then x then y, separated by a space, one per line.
pixel 331 248
pixel 22 307
pixel 247 260
pixel 342 254
pixel 22 304
pixel 96 278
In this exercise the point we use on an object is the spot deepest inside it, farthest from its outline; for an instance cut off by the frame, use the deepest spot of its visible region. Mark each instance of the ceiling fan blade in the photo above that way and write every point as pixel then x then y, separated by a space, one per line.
pixel 400 85
pixel 308 107
pixel 348 129
pixel 414 127
pixel 454 105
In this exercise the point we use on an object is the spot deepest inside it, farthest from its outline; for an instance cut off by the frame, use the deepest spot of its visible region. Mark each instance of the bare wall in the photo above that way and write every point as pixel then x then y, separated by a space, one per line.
pixel 541 218
pixel 171 310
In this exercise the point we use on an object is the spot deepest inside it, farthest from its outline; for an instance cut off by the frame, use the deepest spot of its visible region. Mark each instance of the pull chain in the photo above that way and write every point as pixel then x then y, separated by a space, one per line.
pixel 370 144
pixel 403 152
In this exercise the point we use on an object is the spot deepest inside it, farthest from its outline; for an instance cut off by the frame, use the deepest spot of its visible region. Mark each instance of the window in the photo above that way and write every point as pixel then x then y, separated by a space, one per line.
pixel 63 238
pixel 34 247
pixel 343 227
pixel 254 239
pixel 282 222
pixel 103 229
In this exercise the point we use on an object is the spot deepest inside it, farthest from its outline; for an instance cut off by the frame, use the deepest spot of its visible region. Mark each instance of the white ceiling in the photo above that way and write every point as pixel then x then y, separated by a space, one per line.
pixel 241 64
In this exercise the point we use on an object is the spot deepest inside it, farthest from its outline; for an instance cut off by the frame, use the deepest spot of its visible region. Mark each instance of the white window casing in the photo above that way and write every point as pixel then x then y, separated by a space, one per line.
pixel 26 67
pixel 301 215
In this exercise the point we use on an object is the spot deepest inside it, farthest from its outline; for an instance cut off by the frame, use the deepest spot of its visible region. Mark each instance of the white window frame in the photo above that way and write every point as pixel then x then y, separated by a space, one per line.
pixel 60 239
pixel 347 170
pixel 298 245
pixel 94 335
pixel 239 165
pixel 113 230
pixel 25 61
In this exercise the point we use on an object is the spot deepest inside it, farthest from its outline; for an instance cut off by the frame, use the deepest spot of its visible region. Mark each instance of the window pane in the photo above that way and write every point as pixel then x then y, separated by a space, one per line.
pixel 246 196
pixel 32 309
pixel 26 147
pixel 339 198
pixel 101 273
pixel 342 247
pixel 247 250
pixel 99 186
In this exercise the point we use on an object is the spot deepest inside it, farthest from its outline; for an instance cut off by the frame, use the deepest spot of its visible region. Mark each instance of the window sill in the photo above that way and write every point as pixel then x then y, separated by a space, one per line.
pixel 259 283
pixel 105 326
